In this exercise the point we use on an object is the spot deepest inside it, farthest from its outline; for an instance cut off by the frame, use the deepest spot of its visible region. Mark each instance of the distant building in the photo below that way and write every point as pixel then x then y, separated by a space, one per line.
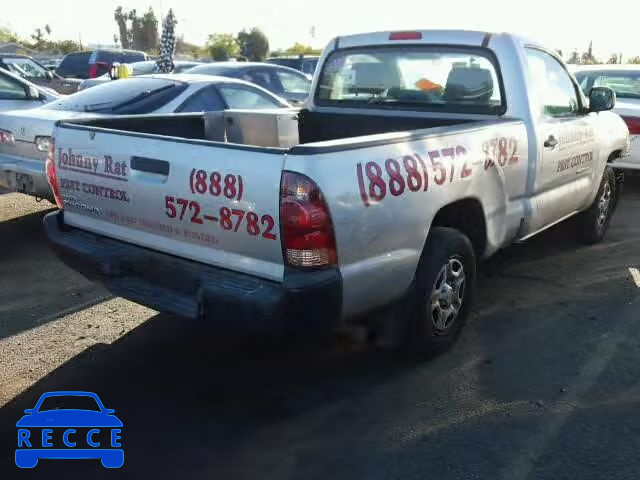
pixel 13 47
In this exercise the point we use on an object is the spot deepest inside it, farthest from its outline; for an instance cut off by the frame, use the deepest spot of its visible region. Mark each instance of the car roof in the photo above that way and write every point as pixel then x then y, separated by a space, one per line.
pixel 610 67
pixel 13 55
pixel 24 81
pixel 197 78
pixel 75 393
pixel 241 65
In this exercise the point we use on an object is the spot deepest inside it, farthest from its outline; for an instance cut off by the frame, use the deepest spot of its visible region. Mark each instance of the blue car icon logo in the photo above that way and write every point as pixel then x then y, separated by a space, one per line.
pixel 69 425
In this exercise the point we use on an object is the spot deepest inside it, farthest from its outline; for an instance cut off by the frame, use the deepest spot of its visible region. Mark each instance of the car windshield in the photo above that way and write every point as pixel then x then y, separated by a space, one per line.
pixel 440 79
pixel 69 402
pixel 625 84
pixel 25 67
pixel 131 95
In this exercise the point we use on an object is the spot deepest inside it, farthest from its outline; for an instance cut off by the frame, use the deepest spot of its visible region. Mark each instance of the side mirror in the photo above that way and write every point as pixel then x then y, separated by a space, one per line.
pixel 29 411
pixel 109 411
pixel 601 99
pixel 49 74
pixel 33 93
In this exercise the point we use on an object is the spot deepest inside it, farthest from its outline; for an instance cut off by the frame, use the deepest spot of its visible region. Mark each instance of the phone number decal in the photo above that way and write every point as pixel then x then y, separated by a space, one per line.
pixel 216 184
pixel 410 174
pixel 230 219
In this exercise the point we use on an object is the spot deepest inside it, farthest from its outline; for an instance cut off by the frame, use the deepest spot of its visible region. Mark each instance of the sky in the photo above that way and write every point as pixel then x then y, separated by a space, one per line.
pixel 565 24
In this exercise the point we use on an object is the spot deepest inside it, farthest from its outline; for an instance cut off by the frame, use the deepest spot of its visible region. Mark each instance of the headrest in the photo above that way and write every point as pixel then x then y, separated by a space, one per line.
pixel 372 75
pixel 469 84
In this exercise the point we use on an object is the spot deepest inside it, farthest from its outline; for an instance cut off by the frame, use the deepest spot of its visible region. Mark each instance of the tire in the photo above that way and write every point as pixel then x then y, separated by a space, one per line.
pixel 594 222
pixel 428 327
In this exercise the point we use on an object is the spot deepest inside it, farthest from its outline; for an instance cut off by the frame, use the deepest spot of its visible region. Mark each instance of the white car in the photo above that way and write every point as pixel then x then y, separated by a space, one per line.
pixel 25 135
pixel 625 81
pixel 16 93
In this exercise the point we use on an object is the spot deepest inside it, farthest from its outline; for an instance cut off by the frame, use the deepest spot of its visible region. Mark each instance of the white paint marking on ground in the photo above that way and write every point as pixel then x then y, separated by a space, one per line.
pixel 635 274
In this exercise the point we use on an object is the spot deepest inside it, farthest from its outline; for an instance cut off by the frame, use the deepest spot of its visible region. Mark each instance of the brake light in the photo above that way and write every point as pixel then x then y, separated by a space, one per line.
pixel 93 70
pixel 633 124
pixel 50 168
pixel 305 224
pixel 405 36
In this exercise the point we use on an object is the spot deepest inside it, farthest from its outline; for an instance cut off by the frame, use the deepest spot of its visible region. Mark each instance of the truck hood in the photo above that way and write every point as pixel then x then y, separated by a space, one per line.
pixel 28 124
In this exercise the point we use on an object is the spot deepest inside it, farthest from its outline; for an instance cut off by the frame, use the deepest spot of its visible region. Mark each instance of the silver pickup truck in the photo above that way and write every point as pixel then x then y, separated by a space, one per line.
pixel 417 154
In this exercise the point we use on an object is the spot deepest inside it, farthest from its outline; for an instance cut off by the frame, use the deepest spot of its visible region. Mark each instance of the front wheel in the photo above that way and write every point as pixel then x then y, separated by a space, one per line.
pixel 442 294
pixel 594 223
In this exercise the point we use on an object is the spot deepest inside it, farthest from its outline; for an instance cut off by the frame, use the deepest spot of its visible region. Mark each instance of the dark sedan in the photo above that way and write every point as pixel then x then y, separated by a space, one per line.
pixel 287 83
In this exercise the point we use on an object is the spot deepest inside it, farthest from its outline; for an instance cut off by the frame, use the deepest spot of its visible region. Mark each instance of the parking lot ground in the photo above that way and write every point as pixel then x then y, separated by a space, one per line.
pixel 544 382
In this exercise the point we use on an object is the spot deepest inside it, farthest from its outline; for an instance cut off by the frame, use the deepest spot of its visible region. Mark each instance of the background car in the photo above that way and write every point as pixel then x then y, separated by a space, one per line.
pixel 16 93
pixel 285 82
pixel 22 159
pixel 625 81
pixel 139 68
pixel 37 73
pixel 93 63
pixel 303 63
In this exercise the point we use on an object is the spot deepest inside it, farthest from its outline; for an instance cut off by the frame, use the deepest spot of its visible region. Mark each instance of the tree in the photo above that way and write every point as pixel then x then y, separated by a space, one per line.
pixel 121 20
pixel 65 46
pixel 587 57
pixel 253 44
pixel 149 31
pixel 635 60
pixel 47 29
pixel 7 35
pixel 613 59
pixel 300 48
pixel 574 58
pixel 222 46
pixel 139 32
pixel 38 39
pixel 559 52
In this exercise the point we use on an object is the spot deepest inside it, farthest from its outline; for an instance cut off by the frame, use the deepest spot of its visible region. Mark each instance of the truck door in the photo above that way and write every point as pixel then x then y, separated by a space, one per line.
pixel 565 141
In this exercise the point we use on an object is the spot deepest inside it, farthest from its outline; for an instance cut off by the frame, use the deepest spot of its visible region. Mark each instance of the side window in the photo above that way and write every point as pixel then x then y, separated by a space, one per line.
pixel 293 83
pixel 243 98
pixel 556 90
pixel 11 90
pixel 204 100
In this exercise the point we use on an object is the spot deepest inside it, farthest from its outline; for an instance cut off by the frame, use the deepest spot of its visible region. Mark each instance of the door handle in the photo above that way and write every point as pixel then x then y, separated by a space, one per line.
pixel 150 165
pixel 551 142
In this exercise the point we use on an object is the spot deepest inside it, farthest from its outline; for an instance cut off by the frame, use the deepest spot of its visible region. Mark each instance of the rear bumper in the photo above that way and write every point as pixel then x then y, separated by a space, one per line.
pixel 24 175
pixel 304 301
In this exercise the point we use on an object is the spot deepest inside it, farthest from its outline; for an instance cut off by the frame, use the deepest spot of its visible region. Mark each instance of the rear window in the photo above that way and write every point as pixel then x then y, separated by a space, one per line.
pixel 440 79
pixel 129 57
pixel 75 65
pixel 135 95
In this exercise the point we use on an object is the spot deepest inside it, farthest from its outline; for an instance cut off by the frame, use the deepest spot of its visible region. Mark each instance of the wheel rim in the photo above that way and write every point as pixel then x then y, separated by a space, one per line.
pixel 603 204
pixel 447 295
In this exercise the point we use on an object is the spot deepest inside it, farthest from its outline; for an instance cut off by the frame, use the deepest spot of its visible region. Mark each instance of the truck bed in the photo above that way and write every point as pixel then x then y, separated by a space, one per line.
pixel 312 126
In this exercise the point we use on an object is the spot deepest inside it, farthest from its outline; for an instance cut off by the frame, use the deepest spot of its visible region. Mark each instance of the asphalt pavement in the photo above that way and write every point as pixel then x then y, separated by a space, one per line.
pixel 543 383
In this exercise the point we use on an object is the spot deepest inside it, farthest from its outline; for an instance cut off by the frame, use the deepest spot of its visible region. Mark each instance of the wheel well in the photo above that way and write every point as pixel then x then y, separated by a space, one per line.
pixel 467 216
pixel 614 155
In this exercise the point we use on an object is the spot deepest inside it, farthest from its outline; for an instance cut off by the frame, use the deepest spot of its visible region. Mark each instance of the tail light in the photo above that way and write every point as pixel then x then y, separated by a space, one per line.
pixel 50 167
pixel 405 36
pixel 7 138
pixel 93 70
pixel 305 224
pixel 633 124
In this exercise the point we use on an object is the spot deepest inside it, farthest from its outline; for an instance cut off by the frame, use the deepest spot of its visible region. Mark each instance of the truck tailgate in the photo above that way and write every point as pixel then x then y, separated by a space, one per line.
pixel 198 200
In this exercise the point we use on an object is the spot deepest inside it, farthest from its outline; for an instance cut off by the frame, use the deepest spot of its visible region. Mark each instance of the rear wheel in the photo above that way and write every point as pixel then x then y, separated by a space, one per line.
pixel 442 294
pixel 594 223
